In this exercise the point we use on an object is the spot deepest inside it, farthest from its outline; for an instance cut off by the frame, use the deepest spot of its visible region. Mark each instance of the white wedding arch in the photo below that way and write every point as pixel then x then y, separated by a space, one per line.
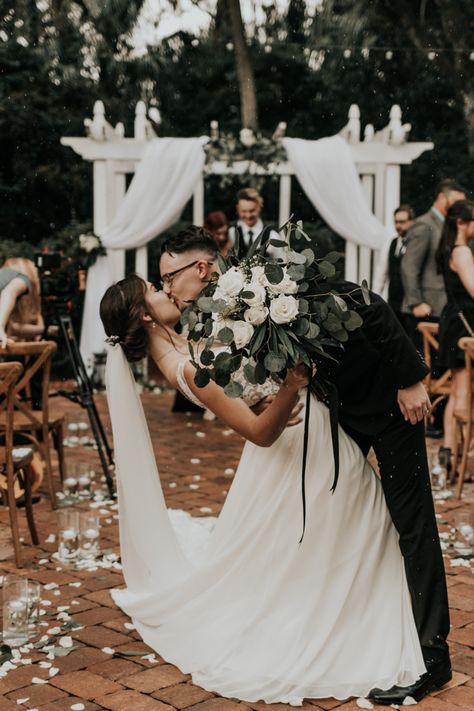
pixel 353 183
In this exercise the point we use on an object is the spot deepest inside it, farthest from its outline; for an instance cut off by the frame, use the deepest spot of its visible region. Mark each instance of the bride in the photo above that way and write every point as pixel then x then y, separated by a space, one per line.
pixel 240 605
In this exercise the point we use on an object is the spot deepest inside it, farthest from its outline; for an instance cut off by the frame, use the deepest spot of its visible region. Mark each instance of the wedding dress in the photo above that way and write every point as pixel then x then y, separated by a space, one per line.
pixel 237 602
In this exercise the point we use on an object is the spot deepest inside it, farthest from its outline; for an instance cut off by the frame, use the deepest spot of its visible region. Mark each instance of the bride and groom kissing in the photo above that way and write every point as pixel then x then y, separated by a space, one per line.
pixel 359 608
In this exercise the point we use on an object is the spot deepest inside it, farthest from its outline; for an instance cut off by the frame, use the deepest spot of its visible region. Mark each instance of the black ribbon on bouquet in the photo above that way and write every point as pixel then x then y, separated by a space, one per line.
pixel 332 399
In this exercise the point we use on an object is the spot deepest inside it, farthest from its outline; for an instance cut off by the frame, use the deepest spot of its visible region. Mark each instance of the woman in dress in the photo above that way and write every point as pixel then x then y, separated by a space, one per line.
pixel 456 263
pixel 20 302
pixel 237 602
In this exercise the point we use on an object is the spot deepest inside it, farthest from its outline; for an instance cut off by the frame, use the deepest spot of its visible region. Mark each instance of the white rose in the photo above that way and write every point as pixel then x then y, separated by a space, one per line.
pixel 256 315
pixel 219 323
pixel 284 309
pixel 286 286
pixel 259 294
pixel 243 332
pixel 231 283
pixel 88 242
pixel 258 276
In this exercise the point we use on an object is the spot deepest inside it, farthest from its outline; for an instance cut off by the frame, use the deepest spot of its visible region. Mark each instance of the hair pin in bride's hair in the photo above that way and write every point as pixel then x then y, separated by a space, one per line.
pixel 112 340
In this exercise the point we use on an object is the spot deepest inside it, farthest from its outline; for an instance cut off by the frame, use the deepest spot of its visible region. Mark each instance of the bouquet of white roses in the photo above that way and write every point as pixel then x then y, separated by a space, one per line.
pixel 270 314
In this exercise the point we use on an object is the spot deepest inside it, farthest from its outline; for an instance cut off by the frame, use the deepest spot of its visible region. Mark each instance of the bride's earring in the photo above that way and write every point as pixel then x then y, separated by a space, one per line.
pixel 153 324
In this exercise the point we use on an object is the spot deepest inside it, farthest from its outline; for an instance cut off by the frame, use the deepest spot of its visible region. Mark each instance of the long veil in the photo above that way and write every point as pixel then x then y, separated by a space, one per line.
pixel 152 558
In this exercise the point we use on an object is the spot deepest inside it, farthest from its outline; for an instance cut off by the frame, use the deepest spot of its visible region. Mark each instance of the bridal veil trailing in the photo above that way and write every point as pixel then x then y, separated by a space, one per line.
pixel 240 605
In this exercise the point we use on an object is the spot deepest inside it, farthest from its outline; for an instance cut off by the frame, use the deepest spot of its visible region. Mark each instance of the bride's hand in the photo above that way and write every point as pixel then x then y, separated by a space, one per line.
pixel 297 378
pixel 267 401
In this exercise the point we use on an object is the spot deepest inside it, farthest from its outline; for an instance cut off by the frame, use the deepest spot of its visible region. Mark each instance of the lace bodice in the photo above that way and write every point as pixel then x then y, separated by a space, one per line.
pixel 251 394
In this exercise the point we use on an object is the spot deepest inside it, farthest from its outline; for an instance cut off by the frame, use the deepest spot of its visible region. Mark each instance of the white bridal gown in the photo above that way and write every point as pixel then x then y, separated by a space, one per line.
pixel 243 607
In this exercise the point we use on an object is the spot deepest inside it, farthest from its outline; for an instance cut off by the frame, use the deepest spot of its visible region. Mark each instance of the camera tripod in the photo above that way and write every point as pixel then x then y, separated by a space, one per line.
pixel 83 396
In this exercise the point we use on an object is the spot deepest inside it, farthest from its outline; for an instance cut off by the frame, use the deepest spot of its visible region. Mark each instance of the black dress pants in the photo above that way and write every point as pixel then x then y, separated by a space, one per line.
pixel 401 454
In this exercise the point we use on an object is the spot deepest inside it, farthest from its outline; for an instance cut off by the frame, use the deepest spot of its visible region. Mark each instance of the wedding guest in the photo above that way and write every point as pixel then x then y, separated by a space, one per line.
pixel 388 282
pixel 456 264
pixel 249 222
pixel 424 293
pixel 20 303
pixel 217 224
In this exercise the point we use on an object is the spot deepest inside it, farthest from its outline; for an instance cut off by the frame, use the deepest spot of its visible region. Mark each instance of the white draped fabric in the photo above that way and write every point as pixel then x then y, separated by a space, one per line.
pixel 165 180
pixel 329 177
pixel 253 614
pixel 162 185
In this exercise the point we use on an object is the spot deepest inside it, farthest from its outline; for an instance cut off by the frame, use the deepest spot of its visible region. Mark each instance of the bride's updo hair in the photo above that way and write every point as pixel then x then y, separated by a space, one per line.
pixel 121 311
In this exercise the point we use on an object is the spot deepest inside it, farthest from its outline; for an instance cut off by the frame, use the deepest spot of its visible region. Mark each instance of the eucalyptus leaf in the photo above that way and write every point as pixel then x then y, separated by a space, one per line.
pixel 204 303
pixel 249 373
pixel 225 335
pixel 207 356
pixel 308 255
pixel 233 389
pixel 63 651
pixel 274 273
pixel 202 377
pixel 303 306
pixel 130 653
pixel 278 243
pixel 223 360
pixel 222 377
pixel 223 266
pixel 303 287
pixel 275 361
pixel 257 339
pixel 326 269
pixel 5 653
pixel 208 327
pixel 333 257
pixel 296 272
pixel 193 319
pixel 296 257
pixel 313 331
pixel 260 373
pixel 285 341
pixel 364 287
pixel 341 335
pixel 354 321
pixel 300 327
pixel 246 294
pixel 332 323
pixel 218 306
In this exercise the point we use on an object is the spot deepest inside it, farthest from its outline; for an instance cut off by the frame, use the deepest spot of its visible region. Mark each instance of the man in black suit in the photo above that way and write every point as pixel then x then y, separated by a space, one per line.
pixel 388 281
pixel 249 223
pixel 382 403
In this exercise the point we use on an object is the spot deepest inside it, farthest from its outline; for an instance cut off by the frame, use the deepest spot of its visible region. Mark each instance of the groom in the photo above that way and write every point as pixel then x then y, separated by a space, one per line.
pixel 382 403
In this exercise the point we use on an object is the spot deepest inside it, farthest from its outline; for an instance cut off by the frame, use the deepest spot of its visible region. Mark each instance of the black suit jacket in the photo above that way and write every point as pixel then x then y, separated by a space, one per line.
pixel 377 360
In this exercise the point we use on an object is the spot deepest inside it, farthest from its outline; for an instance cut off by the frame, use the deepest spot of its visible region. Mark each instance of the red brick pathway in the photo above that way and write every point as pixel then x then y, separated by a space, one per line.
pixel 194 459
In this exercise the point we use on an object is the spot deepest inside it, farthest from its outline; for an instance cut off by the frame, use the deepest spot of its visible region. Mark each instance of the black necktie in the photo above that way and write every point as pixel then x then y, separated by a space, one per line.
pixel 250 237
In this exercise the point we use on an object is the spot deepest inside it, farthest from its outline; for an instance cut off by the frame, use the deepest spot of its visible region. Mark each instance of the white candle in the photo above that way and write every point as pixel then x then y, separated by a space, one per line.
pixel 91 533
pixel 68 534
pixel 73 427
pixel 84 480
pixel 70 482
pixel 16 605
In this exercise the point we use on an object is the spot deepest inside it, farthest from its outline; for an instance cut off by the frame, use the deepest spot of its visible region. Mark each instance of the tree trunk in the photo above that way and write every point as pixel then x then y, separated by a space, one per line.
pixel 247 90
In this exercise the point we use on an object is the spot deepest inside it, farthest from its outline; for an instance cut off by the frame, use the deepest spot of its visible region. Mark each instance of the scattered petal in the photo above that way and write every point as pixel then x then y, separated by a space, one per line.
pixel 43 561
pixel 77 707
pixel 409 701
pixel 129 625
pixel 53 671
pixel 364 703
pixel 37 680
pixel 51 538
pixel 229 471
pixel 172 485
pixel 200 434
pixel 108 650
pixel 23 701
pixel 194 486
pixel 205 509
pixel 75 585
pixel 51 586
pixel 45 665
pixel 65 642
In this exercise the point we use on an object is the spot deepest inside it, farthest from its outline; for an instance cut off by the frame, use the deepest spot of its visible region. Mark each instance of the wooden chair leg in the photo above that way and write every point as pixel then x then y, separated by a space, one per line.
pixel 465 454
pixel 14 524
pixel 455 453
pixel 29 507
pixel 49 469
pixel 59 437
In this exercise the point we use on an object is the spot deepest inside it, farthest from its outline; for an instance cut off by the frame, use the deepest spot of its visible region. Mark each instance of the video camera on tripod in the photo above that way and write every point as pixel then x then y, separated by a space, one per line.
pixel 59 287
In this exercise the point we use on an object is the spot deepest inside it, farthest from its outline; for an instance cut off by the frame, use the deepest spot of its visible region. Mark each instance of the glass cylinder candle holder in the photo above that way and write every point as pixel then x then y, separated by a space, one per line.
pixel 83 432
pixel 73 438
pixel 15 611
pixel 70 487
pixel 464 527
pixel 68 537
pixel 89 535
pixel 33 600
pixel 84 483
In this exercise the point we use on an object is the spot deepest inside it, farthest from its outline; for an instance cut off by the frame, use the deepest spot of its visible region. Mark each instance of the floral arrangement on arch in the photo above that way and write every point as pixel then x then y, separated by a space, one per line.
pixel 269 314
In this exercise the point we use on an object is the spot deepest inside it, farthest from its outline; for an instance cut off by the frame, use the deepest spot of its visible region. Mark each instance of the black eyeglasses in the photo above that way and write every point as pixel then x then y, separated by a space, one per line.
pixel 167 279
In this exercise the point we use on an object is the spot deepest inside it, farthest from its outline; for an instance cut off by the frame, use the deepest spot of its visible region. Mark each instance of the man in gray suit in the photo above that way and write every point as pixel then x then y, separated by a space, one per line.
pixel 424 288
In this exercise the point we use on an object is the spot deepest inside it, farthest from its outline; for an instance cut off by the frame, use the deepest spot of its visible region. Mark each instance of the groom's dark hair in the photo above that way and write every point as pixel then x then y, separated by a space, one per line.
pixel 188 240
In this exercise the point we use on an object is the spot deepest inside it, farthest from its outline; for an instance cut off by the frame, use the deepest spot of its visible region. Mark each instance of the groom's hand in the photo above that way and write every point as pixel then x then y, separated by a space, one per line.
pixel 414 403
pixel 294 418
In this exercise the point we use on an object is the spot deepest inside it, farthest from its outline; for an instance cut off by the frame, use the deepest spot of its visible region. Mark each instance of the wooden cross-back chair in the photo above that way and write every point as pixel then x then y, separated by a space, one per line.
pixel 14 464
pixel 464 419
pixel 36 425
pixel 438 387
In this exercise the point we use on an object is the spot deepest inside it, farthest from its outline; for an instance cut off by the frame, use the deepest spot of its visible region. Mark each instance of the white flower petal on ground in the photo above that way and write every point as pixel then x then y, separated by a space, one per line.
pixel 53 671
pixel 23 701
pixel 38 680
pixel 364 703
pixel 284 309
pixel 195 460
pixel 65 642
pixel 45 665
pixel 108 650
pixel 51 586
pixel 51 538
pixel 200 434
pixel 409 701
pixel 77 707
pixel 129 625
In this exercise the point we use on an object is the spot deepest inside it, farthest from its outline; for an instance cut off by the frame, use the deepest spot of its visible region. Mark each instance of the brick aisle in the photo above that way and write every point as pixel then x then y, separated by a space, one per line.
pixel 108 667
